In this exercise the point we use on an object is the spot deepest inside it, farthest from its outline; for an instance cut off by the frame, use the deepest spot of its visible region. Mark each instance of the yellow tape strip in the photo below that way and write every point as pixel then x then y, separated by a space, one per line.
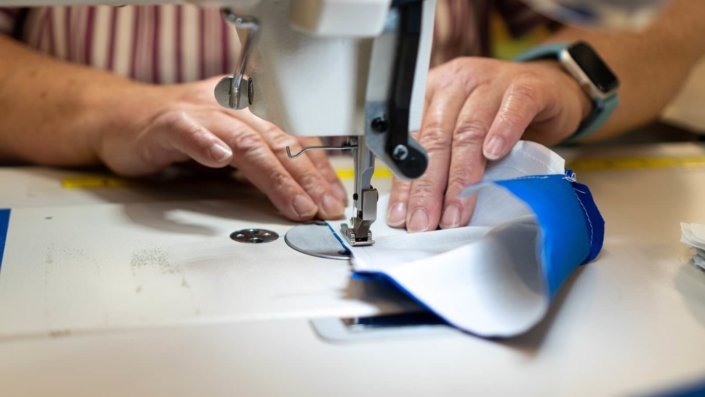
pixel 583 165
pixel 635 163
pixel 94 182
pixel 349 173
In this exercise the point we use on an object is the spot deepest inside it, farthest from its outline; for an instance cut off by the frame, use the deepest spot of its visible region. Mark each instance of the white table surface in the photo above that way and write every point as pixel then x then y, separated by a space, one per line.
pixel 630 323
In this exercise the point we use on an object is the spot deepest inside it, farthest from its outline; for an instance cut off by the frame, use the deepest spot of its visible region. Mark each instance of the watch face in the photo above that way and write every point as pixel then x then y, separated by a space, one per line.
pixel 594 67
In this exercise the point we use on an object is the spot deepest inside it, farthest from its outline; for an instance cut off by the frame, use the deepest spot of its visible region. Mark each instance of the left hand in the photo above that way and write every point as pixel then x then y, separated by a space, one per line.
pixel 476 110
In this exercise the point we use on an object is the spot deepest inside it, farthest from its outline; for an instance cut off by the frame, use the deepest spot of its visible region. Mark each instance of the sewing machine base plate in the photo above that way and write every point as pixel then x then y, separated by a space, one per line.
pixel 316 239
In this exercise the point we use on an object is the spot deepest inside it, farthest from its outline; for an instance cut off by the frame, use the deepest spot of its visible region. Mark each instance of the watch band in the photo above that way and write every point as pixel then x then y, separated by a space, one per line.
pixel 603 108
pixel 547 51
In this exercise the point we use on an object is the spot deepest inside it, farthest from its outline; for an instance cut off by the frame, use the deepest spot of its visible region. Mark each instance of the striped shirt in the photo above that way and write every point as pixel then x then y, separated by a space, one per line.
pixel 165 44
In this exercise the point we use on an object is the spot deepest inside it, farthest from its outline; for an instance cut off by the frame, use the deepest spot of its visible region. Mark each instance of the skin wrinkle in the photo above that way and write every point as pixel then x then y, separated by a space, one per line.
pixel 73 127
pixel 511 103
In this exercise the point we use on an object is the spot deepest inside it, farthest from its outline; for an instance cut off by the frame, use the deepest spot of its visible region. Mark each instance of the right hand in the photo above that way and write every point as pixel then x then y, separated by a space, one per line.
pixel 184 122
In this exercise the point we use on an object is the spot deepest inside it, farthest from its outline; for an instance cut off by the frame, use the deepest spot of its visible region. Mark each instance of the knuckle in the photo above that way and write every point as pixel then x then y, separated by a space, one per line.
pixel 456 184
pixel 245 140
pixel 400 189
pixel 470 132
pixel 455 65
pixel 434 138
pixel 187 130
pixel 422 192
pixel 280 140
pixel 280 181
pixel 447 75
pixel 172 120
pixel 311 182
pixel 192 134
pixel 511 118
pixel 525 92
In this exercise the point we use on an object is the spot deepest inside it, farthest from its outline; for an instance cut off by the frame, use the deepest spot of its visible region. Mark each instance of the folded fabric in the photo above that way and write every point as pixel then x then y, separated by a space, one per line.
pixel 693 234
pixel 497 276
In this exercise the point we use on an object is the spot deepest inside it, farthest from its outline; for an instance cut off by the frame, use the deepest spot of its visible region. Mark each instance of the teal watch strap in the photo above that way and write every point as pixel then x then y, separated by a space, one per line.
pixel 548 51
pixel 599 116
pixel 603 108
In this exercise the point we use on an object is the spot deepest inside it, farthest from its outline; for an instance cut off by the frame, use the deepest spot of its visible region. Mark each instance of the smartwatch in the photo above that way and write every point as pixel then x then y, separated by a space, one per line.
pixel 592 73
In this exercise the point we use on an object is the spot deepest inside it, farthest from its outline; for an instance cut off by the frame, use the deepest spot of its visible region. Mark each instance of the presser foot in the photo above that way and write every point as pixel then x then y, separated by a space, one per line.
pixel 352 239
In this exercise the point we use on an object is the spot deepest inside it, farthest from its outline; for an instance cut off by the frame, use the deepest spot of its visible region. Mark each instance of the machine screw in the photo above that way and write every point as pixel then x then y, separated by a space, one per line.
pixel 380 124
pixel 400 152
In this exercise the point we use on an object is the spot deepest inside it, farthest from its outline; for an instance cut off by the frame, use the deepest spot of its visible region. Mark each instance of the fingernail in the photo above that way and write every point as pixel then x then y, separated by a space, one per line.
pixel 494 148
pixel 418 221
pixel 332 206
pixel 304 206
pixel 451 217
pixel 220 152
pixel 340 192
pixel 396 215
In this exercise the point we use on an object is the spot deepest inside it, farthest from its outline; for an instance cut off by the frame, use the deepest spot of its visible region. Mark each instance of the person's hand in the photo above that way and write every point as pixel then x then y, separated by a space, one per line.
pixel 177 123
pixel 476 110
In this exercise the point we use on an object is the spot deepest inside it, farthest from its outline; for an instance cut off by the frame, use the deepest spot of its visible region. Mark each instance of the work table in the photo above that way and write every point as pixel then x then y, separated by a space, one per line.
pixel 632 322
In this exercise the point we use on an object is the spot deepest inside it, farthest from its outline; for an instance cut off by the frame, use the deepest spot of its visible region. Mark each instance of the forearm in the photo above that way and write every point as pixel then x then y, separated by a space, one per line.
pixel 51 111
pixel 651 65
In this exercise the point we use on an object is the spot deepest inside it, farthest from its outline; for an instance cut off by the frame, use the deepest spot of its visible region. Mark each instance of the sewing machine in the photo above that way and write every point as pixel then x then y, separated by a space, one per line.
pixel 254 336
pixel 354 68
pixel 378 96
pixel 377 54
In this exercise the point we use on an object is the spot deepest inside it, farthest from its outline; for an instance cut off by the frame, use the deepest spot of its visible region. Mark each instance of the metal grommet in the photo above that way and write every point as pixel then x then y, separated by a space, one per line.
pixel 254 236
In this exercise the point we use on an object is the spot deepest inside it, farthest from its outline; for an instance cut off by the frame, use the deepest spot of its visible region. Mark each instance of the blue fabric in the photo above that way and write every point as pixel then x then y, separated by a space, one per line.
pixel 691 390
pixel 571 234
pixel 4 224
pixel 338 238
pixel 567 239
pixel 593 219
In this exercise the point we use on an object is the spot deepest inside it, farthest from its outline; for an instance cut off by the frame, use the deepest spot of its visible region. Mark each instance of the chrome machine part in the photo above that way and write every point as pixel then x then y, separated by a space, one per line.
pixel 390 88
pixel 358 233
pixel 254 236
pixel 364 199
pixel 346 146
pixel 387 111
pixel 229 90
pixel 316 239
pixel 395 56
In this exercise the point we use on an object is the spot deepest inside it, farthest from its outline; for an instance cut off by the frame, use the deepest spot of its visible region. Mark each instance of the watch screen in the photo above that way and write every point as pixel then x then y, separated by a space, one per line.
pixel 594 67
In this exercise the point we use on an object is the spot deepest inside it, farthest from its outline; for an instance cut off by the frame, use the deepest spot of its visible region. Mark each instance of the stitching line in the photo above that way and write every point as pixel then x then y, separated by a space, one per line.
pixel 537 160
pixel 586 216
pixel 529 177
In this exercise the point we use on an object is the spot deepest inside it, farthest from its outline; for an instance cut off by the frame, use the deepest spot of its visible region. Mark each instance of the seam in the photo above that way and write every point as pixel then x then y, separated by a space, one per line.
pixel 587 217
pixel 530 177
pixel 538 161
pixel 513 168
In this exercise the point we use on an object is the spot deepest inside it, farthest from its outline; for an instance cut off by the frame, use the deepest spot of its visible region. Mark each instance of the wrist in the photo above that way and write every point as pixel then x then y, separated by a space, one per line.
pixel 117 109
pixel 566 80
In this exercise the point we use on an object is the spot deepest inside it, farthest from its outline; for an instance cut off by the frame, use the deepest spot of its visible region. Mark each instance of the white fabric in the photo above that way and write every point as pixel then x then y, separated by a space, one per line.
pixel 693 234
pixel 495 206
pixel 484 278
